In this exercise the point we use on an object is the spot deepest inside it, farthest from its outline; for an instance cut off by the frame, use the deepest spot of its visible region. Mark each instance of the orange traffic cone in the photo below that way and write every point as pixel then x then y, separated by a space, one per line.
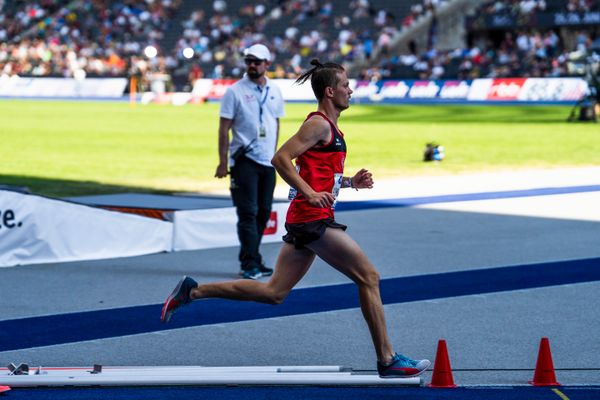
pixel 544 368
pixel 442 372
pixel 4 389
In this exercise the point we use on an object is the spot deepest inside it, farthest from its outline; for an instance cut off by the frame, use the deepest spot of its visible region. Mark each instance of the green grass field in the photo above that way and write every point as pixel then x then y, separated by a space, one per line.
pixel 78 148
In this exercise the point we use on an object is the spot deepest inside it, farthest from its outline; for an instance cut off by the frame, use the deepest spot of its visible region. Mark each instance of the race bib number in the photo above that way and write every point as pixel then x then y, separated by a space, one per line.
pixel 293 191
pixel 337 184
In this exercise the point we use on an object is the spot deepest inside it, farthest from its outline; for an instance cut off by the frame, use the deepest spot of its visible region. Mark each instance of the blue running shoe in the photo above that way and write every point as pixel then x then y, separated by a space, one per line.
pixel 402 367
pixel 253 273
pixel 264 272
pixel 179 297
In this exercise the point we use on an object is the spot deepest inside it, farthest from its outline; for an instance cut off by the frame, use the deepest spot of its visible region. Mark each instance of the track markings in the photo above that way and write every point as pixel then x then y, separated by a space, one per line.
pixel 560 394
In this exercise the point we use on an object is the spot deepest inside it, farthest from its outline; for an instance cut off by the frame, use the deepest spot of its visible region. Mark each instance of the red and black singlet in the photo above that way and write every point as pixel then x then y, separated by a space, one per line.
pixel 322 167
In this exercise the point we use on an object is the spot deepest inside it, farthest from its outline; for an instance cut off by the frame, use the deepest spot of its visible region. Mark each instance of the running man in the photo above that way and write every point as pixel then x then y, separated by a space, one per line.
pixel 319 150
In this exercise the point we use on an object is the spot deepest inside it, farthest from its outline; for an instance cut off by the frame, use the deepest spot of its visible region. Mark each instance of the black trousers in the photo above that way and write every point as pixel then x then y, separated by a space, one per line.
pixel 252 187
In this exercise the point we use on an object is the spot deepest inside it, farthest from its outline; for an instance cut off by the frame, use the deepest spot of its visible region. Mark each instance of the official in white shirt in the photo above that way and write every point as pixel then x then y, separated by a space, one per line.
pixel 251 109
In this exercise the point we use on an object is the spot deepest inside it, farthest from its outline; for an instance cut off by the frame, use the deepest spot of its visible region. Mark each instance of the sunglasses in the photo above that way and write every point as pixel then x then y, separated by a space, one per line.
pixel 255 61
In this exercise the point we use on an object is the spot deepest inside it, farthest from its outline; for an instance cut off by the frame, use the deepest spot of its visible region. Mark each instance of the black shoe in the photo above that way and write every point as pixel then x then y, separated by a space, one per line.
pixel 265 271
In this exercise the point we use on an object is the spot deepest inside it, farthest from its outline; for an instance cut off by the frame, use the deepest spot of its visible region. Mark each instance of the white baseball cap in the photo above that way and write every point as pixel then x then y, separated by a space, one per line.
pixel 259 51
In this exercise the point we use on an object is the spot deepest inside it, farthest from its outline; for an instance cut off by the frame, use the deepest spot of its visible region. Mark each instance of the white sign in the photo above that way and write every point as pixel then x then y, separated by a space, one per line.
pixel 479 89
pixel 36 229
pixel 292 91
pixel 557 89
pixel 216 227
pixel 16 86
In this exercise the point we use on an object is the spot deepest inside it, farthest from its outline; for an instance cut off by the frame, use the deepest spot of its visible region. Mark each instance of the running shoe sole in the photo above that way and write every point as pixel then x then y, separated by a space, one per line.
pixel 166 313
pixel 425 363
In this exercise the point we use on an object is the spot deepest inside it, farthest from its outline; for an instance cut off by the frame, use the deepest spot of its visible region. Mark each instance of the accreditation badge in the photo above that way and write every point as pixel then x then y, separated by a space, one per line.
pixel 262 132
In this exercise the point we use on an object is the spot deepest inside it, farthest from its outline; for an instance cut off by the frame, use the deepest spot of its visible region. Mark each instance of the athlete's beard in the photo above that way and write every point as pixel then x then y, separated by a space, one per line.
pixel 254 74
pixel 342 107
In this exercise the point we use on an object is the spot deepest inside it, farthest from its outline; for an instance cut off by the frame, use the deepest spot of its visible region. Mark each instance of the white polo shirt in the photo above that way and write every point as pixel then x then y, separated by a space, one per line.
pixel 254 111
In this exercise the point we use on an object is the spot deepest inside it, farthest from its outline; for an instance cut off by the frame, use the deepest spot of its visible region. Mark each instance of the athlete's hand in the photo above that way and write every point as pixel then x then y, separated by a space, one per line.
pixel 321 199
pixel 363 180
pixel 221 171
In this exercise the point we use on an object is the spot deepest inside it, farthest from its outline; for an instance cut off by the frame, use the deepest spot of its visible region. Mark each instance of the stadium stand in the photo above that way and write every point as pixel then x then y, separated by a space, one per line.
pixel 18 16
pixel 528 7
pixel 62 38
pixel 505 39
pixel 296 31
pixel 101 38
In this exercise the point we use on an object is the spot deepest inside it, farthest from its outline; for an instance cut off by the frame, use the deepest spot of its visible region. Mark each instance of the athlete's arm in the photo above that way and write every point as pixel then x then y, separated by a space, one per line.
pixel 313 132
pixel 224 127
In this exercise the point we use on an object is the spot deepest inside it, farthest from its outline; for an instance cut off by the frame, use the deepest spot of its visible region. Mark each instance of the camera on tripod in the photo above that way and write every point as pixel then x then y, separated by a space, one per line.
pixel 588 107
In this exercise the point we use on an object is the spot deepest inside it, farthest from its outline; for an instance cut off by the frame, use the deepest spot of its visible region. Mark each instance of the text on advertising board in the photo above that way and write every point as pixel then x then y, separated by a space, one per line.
pixel 7 219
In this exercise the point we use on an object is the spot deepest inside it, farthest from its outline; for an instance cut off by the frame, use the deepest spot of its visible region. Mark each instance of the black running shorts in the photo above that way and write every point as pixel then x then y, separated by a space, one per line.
pixel 304 233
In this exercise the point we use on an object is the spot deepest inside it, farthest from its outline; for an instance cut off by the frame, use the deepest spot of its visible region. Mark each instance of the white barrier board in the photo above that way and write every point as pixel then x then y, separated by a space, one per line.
pixel 36 229
pixel 16 86
pixel 217 227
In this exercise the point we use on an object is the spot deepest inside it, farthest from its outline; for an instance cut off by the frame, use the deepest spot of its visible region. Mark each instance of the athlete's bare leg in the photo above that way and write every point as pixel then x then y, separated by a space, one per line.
pixel 340 251
pixel 292 264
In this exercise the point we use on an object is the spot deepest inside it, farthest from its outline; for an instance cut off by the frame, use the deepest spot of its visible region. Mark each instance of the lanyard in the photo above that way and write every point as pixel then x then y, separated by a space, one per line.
pixel 261 103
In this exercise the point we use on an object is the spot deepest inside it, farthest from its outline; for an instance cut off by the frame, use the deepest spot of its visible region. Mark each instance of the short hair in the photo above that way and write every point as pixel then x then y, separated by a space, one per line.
pixel 321 76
